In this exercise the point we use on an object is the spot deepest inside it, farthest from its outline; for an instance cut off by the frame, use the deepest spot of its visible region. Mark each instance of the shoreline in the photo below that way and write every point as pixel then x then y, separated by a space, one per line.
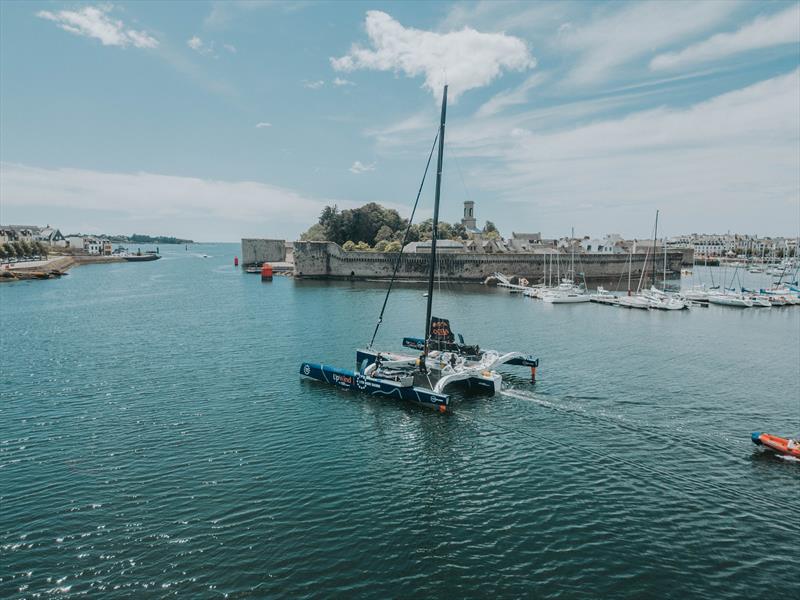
pixel 53 268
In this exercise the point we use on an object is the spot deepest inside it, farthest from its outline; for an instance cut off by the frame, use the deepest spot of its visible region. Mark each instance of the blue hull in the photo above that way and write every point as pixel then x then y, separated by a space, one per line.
pixel 352 380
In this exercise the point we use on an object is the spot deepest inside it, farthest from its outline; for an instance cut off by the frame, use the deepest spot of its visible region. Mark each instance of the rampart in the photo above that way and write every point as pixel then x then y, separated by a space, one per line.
pixel 326 260
pixel 257 251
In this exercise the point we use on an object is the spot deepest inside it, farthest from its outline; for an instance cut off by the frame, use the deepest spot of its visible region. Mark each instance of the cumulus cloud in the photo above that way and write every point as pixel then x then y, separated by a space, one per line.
pixel 465 59
pixel 230 48
pixel 764 32
pixel 190 207
pixel 358 167
pixel 95 22
pixel 313 85
pixel 195 43
pixel 338 81
pixel 263 124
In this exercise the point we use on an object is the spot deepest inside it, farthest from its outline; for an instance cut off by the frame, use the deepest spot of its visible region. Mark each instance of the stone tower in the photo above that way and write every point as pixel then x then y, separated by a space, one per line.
pixel 468 221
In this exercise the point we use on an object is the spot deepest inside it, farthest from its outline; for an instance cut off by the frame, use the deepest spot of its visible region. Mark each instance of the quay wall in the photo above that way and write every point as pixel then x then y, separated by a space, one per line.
pixel 327 260
pixel 257 251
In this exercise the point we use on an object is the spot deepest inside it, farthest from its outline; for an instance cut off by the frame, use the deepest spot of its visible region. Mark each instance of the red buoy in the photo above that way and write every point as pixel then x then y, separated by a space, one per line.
pixel 235 261
pixel 266 272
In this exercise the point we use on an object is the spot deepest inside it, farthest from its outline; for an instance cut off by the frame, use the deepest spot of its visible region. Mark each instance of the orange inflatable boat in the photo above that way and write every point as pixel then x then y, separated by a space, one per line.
pixel 779 445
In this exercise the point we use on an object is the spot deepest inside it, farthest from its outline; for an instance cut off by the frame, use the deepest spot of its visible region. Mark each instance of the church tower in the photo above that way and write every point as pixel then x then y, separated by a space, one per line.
pixel 469 216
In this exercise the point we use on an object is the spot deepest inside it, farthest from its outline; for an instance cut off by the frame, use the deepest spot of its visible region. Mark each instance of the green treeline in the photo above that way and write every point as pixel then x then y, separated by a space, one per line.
pixel 373 227
pixel 22 249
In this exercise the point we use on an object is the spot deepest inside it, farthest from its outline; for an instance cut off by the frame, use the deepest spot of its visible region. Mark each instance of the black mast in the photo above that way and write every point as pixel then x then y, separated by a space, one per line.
pixel 435 231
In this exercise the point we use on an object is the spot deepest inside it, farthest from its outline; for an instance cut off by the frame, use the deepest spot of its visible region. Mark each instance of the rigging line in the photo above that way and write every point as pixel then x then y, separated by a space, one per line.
pixel 458 168
pixel 405 240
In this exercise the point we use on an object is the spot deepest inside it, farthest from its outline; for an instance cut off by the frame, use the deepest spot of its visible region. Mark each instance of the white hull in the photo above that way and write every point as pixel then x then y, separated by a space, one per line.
pixel 565 298
pixel 735 301
pixel 634 302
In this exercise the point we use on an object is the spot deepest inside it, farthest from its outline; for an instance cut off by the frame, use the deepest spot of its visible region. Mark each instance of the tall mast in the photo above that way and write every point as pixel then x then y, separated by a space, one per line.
pixel 655 235
pixel 435 232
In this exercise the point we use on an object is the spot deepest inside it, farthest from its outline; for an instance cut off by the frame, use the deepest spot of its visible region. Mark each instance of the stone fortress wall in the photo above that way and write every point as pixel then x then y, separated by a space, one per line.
pixel 327 260
pixel 257 251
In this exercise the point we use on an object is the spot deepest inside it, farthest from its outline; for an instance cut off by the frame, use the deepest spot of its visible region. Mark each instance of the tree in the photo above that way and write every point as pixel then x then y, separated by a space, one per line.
pixel 18 249
pixel 445 231
pixel 363 247
pixel 41 249
pixel 393 247
pixel 9 250
pixel 348 246
pixel 490 227
pixel 27 248
pixel 315 233
pixel 3 252
pixel 491 235
pixel 384 234
pixel 381 246
pixel 459 232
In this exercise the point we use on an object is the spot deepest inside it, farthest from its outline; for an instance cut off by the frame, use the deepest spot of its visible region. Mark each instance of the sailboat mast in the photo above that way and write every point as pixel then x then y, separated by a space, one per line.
pixel 655 235
pixel 435 232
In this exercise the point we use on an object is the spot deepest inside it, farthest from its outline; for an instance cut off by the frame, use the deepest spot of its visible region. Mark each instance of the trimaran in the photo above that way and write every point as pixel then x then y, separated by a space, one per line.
pixel 423 378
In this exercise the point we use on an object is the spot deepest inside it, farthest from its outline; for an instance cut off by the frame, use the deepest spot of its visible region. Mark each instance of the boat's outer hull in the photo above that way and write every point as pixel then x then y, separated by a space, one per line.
pixel 351 380
pixel 634 302
pixel 565 299
pixel 776 444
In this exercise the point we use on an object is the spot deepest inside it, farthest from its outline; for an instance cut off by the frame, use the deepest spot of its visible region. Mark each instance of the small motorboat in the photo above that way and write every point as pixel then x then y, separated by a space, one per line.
pixel 604 297
pixel 779 445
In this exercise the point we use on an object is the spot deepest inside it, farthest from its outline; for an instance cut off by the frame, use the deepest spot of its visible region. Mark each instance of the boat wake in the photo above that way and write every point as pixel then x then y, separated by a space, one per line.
pixel 687 485
pixel 688 436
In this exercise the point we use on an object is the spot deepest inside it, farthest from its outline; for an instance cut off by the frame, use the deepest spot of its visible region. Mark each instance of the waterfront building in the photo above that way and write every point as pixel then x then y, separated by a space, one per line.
pixel 31 233
pixel 525 242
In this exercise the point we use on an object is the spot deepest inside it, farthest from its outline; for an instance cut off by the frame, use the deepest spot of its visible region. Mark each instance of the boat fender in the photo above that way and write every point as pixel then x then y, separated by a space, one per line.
pixel 533 373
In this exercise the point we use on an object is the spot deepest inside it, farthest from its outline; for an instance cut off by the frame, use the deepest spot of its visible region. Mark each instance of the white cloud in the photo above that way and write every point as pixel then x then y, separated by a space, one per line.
pixel 201 47
pixel 464 59
pixel 503 100
pixel 606 43
pixel 728 162
pixel 190 207
pixel 338 81
pixel 358 167
pixel 313 85
pixel 95 22
pixel 230 48
pixel 263 124
pixel 765 31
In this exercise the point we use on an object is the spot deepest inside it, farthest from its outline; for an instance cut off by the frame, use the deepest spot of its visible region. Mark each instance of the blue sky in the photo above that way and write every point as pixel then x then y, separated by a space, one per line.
pixel 217 121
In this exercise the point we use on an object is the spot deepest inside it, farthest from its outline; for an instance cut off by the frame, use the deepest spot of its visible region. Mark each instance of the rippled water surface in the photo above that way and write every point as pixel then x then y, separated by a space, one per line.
pixel 156 439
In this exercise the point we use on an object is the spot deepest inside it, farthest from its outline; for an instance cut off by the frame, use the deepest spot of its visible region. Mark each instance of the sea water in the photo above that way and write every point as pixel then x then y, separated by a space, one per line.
pixel 157 439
